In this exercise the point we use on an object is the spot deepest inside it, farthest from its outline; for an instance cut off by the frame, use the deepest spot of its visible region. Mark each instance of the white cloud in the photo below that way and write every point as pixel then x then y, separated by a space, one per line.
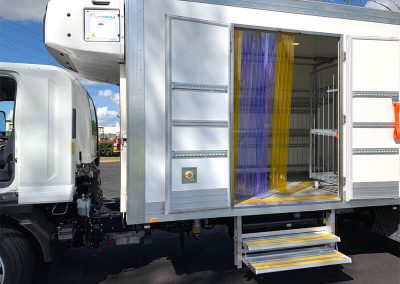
pixel 106 116
pixel 23 9
pixel 105 93
pixel 114 97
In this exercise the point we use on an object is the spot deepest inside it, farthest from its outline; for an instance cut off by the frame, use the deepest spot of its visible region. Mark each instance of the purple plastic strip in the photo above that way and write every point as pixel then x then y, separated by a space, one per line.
pixel 255 112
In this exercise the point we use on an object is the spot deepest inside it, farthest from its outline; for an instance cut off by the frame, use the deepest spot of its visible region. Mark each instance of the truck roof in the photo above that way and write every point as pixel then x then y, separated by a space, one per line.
pixel 26 68
pixel 315 8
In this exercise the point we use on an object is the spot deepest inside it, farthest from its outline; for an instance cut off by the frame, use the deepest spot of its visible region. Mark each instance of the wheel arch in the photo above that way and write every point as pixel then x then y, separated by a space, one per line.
pixel 30 226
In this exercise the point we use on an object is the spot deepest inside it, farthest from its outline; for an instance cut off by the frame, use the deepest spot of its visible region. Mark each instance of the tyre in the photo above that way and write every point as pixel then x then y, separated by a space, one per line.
pixel 16 257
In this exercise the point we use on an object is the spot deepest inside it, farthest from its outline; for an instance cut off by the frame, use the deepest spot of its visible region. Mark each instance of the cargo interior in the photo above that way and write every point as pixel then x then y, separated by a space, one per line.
pixel 285 118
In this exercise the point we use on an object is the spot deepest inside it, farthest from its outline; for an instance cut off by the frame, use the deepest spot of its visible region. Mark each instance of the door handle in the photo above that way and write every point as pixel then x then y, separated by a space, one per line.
pixel 396 134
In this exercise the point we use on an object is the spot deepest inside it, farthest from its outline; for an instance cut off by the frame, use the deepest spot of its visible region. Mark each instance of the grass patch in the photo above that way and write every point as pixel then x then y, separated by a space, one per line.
pixel 109 159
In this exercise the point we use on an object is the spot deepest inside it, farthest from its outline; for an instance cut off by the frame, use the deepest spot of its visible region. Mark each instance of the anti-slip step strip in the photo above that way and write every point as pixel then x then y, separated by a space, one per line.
pixel 289 241
pixel 299 259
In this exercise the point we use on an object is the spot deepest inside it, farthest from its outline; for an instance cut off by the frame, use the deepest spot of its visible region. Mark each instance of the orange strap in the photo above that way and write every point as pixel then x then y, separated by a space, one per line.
pixel 396 134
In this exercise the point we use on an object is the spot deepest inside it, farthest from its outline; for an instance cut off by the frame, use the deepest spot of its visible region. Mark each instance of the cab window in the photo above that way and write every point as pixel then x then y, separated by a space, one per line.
pixel 93 116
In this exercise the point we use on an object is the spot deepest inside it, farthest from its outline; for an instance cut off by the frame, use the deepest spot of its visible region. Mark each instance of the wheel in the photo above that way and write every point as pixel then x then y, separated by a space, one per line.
pixel 16 257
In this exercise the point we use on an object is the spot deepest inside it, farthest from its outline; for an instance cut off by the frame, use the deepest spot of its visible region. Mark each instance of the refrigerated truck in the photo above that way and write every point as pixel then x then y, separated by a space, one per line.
pixel 266 116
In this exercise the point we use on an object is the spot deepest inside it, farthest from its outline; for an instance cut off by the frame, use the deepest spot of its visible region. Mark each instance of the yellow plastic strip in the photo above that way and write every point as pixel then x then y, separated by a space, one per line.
pixel 296 259
pixel 236 101
pixel 281 112
pixel 283 199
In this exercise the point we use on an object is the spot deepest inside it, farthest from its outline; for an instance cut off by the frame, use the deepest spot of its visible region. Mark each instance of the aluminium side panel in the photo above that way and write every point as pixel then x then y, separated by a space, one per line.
pixel 136 112
pixel 318 8
pixel 123 135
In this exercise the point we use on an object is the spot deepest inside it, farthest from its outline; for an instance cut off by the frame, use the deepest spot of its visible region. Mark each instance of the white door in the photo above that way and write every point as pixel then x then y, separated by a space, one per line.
pixel 198 116
pixel 374 78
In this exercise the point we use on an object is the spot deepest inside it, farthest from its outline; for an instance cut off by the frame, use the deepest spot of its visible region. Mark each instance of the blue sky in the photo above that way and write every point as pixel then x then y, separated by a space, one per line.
pixel 21 33
pixel 21 40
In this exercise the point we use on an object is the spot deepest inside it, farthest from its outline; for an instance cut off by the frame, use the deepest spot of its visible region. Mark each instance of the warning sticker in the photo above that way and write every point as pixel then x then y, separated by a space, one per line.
pixel 102 25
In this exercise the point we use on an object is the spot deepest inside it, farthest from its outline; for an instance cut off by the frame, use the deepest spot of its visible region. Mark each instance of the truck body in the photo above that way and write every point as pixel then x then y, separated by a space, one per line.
pixel 267 116
pixel 178 101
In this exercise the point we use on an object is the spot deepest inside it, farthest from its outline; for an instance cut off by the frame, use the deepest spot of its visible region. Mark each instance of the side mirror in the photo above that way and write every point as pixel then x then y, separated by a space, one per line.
pixel 3 127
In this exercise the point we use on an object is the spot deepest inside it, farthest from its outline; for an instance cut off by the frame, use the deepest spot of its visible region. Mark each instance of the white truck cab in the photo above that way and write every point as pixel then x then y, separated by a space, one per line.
pixel 53 132
pixel 48 161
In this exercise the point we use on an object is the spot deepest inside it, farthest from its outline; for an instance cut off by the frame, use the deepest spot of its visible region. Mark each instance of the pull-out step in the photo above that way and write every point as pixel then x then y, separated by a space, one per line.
pixel 285 241
pixel 294 259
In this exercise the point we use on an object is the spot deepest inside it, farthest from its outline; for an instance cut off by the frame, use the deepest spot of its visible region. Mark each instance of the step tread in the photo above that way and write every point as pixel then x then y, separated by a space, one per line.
pixel 299 259
pixel 289 241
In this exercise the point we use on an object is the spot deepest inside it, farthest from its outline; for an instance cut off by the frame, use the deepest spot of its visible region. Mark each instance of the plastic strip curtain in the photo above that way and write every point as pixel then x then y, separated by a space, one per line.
pixel 254 78
pixel 281 113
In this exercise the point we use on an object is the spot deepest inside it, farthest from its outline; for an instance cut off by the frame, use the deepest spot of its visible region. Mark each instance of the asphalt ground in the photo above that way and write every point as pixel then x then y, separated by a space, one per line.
pixel 210 259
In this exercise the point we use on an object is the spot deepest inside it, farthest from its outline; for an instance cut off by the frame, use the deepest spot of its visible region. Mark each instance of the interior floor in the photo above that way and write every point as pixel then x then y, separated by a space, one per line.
pixel 300 189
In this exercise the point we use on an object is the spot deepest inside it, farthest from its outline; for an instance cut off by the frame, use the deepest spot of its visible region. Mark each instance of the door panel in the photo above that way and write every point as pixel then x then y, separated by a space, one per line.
pixel 375 86
pixel 198 116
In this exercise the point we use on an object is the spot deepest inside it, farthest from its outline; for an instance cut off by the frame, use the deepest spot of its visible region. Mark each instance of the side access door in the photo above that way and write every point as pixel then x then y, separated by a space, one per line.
pixel 374 138
pixel 198 111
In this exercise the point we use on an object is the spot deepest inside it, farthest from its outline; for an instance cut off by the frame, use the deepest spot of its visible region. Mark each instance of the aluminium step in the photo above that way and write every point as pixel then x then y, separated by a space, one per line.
pixel 295 259
pixel 286 241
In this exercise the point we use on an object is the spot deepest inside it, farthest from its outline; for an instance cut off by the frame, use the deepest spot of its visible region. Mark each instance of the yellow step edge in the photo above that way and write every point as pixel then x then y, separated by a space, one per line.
pixel 287 239
pixel 288 242
pixel 295 259
pixel 302 263
pixel 294 237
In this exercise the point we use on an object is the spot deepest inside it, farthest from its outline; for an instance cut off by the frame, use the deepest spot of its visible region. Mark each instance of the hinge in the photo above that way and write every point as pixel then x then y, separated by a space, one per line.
pixel 344 56
pixel 344 181
pixel 344 119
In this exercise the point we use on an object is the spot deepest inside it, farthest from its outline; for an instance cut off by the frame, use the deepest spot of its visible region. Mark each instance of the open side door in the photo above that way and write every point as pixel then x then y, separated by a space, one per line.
pixel 374 78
